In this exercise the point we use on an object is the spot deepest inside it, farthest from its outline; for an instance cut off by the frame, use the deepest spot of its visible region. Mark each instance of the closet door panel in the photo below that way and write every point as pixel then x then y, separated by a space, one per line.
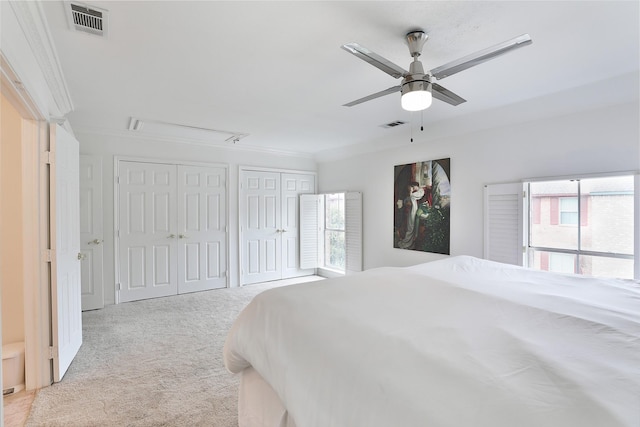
pixel 293 185
pixel 91 232
pixel 147 222
pixel 202 228
pixel 260 227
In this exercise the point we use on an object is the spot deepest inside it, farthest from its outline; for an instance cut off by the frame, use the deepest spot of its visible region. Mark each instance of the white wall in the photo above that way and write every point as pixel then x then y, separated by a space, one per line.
pixel 603 140
pixel 108 146
pixel 11 245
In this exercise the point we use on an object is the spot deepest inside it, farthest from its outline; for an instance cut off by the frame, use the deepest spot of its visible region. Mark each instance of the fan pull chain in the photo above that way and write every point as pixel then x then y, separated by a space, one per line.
pixel 422 121
pixel 411 126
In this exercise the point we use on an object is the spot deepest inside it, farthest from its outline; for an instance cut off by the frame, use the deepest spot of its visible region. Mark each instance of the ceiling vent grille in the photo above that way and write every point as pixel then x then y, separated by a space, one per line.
pixel 87 19
pixel 393 124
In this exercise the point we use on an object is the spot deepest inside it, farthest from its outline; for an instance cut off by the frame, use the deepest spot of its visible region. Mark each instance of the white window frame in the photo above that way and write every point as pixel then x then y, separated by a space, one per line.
pixel 578 252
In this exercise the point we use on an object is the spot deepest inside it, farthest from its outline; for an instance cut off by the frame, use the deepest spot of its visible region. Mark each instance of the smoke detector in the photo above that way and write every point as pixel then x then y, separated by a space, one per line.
pixel 87 19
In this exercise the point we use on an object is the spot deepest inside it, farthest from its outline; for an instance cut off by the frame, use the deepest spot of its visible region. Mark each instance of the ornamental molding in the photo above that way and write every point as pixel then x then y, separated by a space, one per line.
pixel 33 22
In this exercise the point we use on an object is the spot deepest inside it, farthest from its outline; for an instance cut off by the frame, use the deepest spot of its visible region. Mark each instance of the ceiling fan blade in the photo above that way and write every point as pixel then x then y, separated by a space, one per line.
pixel 374 96
pixel 376 60
pixel 481 56
pixel 438 92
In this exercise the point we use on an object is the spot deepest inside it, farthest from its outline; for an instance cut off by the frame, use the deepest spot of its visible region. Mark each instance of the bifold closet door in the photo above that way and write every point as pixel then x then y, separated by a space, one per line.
pixel 147 231
pixel 269 224
pixel 91 232
pixel 202 228
pixel 260 227
pixel 293 185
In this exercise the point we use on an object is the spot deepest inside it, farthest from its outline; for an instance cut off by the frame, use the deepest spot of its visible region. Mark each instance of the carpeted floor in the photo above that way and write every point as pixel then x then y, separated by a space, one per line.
pixel 151 363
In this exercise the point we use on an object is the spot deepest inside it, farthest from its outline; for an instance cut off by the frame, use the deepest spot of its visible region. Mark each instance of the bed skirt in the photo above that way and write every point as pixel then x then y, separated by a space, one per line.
pixel 258 403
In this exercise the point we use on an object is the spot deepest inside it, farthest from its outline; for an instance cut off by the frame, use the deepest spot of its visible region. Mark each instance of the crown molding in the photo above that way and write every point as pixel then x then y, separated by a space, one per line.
pixel 33 22
pixel 16 93
pixel 150 137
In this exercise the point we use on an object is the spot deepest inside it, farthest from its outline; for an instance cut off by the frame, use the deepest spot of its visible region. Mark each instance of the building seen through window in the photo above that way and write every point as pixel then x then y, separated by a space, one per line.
pixel 583 226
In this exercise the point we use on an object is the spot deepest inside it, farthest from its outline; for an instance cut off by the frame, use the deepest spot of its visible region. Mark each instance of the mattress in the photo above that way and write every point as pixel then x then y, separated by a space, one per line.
pixel 456 342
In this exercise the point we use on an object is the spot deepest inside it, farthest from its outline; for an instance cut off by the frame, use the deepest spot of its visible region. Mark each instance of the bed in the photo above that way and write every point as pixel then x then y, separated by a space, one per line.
pixel 456 342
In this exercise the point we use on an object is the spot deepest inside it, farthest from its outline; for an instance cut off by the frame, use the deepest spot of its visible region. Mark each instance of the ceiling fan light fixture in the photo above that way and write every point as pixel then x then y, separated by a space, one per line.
pixel 416 95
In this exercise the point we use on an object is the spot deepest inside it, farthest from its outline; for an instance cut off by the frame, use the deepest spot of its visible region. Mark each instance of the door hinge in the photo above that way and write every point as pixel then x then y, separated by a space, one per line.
pixel 47 255
pixel 47 157
pixel 118 286
pixel 53 352
pixel 117 180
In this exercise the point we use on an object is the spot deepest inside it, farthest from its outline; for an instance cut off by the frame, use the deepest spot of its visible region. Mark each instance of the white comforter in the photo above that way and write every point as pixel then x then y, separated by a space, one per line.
pixel 460 342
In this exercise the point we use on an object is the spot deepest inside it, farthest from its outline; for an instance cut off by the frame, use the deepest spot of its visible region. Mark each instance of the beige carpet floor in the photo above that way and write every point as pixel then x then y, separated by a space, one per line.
pixel 151 363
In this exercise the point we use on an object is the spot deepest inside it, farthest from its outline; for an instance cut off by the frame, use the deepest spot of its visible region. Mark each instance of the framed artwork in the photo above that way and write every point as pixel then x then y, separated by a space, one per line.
pixel 422 193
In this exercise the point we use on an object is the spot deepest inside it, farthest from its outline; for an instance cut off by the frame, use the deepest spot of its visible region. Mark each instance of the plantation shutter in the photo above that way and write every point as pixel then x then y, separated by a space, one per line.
pixel 311 226
pixel 353 232
pixel 312 231
pixel 503 223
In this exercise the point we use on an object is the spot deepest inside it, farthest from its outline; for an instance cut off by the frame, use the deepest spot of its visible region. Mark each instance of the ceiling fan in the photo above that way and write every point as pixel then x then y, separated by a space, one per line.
pixel 416 87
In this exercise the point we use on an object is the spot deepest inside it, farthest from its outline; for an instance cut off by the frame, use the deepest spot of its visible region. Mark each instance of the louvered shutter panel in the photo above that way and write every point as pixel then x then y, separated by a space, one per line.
pixel 503 223
pixel 353 232
pixel 311 214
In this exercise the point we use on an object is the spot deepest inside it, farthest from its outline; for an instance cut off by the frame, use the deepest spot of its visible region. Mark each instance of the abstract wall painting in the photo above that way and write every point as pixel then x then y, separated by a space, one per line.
pixel 422 193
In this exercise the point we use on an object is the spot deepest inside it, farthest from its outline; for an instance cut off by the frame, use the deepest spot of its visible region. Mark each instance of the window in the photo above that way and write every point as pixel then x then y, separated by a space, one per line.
pixel 562 263
pixel 334 243
pixel 583 226
pixel 331 232
pixel 569 210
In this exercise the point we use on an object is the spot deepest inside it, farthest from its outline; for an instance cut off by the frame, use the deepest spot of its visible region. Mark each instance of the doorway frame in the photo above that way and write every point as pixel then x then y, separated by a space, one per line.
pixel 36 228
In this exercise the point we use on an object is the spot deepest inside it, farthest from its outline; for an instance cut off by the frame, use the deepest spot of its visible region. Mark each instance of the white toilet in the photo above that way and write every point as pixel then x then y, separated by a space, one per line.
pixel 12 367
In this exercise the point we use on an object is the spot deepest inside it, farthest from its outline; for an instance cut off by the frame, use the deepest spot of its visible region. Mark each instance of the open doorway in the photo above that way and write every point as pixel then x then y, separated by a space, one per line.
pixel 26 219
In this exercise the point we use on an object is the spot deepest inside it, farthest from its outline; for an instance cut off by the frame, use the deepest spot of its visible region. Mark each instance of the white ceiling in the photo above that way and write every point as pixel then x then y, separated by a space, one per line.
pixel 275 70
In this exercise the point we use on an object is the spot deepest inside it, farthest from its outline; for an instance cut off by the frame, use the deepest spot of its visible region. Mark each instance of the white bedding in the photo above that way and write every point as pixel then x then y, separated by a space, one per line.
pixel 457 342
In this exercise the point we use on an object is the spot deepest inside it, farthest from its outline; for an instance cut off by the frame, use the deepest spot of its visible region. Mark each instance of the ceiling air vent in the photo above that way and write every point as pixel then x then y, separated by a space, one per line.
pixel 393 124
pixel 88 19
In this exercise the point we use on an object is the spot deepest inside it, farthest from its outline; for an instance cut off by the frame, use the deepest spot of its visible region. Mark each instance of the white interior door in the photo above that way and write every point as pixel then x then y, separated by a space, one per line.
pixel 66 307
pixel 202 228
pixel 91 232
pixel 260 230
pixel 293 185
pixel 147 231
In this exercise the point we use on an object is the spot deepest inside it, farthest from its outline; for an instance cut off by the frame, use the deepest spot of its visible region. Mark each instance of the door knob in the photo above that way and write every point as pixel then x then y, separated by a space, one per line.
pixel 81 256
pixel 96 242
pixel 182 236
